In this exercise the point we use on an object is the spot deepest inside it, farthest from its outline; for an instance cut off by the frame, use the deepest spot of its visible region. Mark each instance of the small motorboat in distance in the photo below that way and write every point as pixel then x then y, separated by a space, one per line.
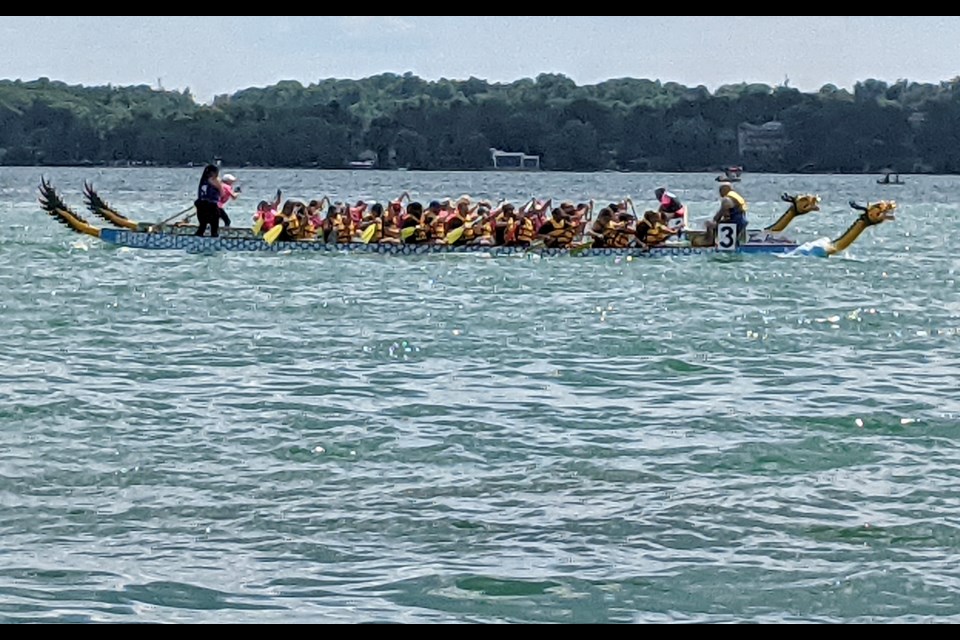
pixel 730 174
pixel 890 178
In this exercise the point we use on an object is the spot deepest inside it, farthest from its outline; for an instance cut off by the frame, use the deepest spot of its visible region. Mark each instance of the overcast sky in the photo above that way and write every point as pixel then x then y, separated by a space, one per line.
pixel 223 54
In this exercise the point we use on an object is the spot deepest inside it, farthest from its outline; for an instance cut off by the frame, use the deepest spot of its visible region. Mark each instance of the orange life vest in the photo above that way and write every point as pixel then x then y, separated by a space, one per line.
pixel 526 231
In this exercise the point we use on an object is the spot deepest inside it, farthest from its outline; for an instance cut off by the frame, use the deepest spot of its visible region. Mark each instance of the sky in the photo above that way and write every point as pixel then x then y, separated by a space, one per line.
pixel 218 55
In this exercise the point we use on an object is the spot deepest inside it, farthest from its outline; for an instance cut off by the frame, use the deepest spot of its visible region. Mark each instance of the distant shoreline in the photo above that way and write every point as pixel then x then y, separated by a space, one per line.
pixel 547 123
pixel 903 174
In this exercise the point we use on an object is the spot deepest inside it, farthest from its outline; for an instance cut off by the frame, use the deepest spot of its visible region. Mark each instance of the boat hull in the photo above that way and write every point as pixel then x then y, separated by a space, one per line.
pixel 195 244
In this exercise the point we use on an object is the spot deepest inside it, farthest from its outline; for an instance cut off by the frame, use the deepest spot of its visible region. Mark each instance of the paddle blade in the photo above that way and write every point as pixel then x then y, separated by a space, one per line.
pixel 455 235
pixel 581 248
pixel 271 236
pixel 406 232
pixel 367 234
pixel 257 226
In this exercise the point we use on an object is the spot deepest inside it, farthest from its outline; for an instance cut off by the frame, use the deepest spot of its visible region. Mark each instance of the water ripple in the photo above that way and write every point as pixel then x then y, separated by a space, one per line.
pixel 466 439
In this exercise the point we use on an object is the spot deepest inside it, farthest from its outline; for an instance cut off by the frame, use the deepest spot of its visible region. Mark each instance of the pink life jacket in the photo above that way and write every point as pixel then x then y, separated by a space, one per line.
pixel 269 218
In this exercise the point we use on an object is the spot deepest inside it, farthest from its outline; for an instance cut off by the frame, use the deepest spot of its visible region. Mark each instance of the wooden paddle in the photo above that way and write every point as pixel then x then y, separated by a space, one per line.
pixel 536 244
pixel 580 248
pixel 171 218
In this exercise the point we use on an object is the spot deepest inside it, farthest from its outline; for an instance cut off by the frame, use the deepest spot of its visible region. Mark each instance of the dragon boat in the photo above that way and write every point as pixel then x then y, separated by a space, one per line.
pixel 125 232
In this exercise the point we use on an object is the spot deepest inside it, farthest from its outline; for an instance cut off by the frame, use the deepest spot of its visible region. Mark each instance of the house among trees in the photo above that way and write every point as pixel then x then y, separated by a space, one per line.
pixel 513 160
pixel 761 144
pixel 390 121
pixel 365 160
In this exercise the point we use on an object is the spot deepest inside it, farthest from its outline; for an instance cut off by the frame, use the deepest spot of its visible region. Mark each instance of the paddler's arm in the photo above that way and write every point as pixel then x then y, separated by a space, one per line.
pixel 725 205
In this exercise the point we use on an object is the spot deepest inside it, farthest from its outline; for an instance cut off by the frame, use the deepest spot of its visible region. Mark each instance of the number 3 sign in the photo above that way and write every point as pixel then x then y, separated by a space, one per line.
pixel 726 236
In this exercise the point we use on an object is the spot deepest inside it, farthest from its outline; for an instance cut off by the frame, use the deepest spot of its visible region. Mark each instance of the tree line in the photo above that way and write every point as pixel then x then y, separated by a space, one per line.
pixel 406 122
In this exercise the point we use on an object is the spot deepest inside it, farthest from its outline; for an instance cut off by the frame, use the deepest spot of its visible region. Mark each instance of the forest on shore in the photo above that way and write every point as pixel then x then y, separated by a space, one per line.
pixel 402 121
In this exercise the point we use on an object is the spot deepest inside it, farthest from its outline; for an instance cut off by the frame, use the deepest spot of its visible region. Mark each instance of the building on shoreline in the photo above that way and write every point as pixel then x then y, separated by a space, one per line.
pixel 763 144
pixel 514 160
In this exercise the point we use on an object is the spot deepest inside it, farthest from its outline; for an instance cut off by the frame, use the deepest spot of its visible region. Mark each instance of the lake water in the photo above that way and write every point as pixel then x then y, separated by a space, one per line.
pixel 453 438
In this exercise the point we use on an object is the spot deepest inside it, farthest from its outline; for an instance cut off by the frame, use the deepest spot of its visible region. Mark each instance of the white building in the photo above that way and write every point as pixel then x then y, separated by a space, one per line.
pixel 513 160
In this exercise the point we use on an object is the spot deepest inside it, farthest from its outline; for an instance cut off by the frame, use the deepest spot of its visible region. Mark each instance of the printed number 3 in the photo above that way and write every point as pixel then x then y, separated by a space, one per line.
pixel 727 237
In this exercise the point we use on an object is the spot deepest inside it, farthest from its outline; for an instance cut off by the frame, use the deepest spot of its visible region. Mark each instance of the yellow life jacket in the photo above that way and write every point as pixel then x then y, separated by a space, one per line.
pixel 487 229
pixel 738 200
pixel 617 235
pixel 471 230
pixel 293 225
pixel 510 228
pixel 390 231
pixel 308 231
pixel 421 233
pixel 559 226
pixel 607 229
pixel 526 232
pixel 341 224
pixel 657 234
pixel 565 234
pixel 560 235
pixel 437 227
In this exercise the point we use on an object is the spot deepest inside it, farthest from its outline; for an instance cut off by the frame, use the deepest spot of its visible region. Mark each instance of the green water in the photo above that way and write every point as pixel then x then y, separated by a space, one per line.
pixel 453 438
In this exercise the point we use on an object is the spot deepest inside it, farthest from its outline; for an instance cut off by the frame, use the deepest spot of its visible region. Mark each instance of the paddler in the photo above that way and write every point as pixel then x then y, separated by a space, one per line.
pixel 557 232
pixel 674 210
pixel 733 208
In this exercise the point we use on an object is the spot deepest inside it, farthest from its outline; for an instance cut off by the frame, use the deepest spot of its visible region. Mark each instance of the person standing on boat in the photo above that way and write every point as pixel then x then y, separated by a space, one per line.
pixel 208 202
pixel 228 193
pixel 733 208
